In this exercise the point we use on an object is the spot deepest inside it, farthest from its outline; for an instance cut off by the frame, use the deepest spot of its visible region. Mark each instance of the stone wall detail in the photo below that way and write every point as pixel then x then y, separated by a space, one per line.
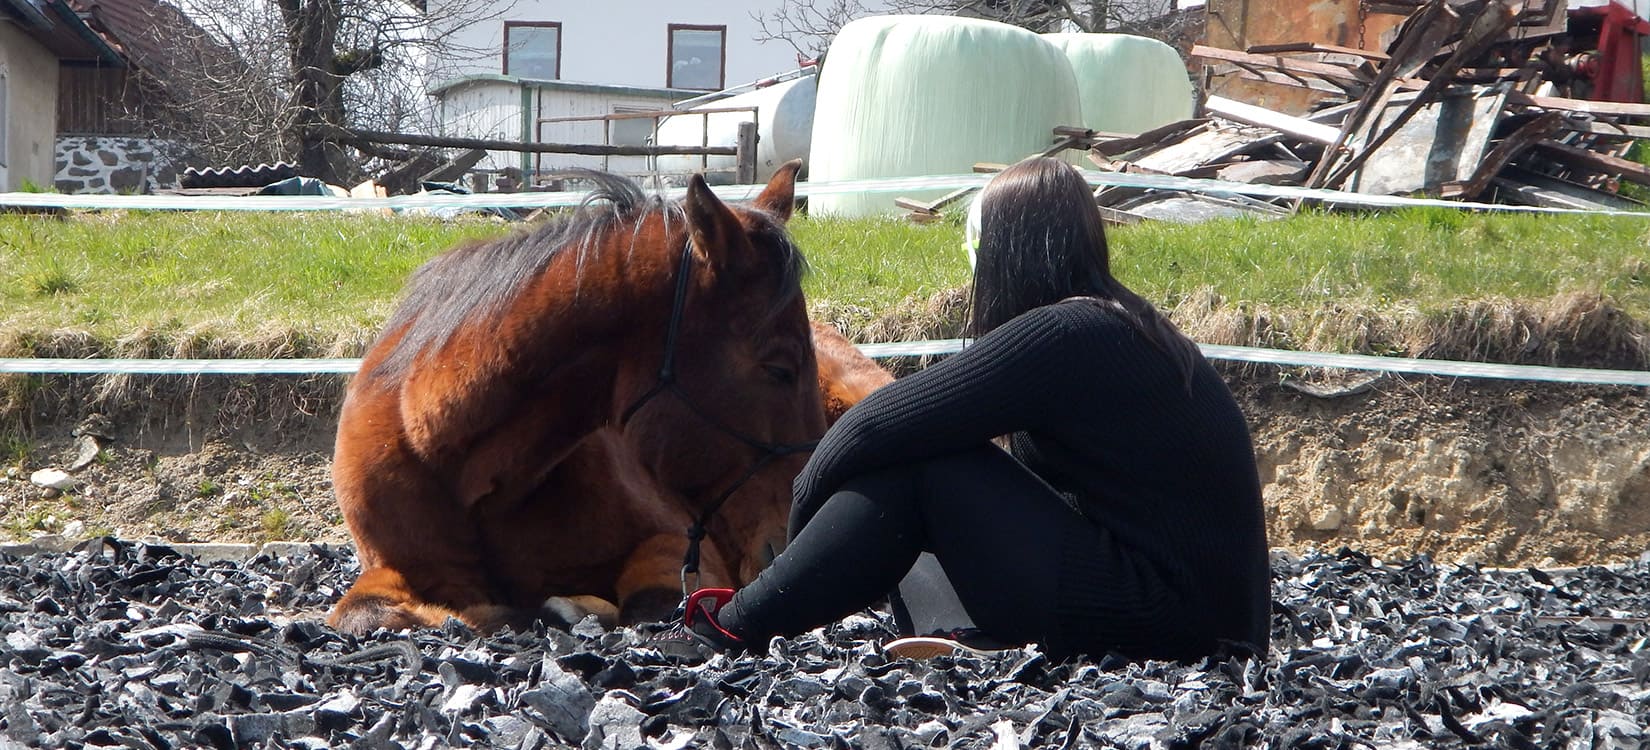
pixel 112 164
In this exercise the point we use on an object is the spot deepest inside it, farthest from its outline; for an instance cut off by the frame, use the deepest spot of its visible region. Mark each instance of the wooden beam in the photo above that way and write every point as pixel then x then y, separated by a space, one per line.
pixel 1606 128
pixel 1267 76
pixel 1603 163
pixel 745 160
pixel 1151 137
pixel 1622 109
pixel 1119 217
pixel 1285 65
pixel 1271 49
pixel 589 149
pixel 1491 165
pixel 1289 125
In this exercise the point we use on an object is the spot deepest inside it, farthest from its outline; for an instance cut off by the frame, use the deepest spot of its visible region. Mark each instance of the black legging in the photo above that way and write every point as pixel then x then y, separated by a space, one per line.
pixel 997 529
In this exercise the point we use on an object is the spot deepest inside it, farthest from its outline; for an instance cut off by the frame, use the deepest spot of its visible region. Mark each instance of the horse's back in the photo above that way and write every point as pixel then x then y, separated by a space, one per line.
pixel 846 375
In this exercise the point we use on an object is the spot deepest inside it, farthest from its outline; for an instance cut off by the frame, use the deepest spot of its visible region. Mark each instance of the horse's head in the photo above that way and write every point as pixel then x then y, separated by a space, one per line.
pixel 738 389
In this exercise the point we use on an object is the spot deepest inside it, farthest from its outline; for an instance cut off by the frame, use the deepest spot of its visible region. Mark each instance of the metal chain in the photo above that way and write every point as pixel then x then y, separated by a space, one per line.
pixel 1363 18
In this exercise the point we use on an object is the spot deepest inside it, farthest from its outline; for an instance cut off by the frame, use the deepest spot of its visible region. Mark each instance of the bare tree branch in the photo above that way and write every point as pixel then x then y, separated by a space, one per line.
pixel 809 25
pixel 246 81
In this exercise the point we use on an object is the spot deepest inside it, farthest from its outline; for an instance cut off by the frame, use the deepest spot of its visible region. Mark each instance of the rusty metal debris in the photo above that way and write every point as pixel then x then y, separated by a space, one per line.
pixel 1468 101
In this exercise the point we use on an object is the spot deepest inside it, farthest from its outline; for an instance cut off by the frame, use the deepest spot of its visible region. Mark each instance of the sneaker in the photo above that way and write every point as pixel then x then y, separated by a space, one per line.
pixel 696 635
pixel 970 641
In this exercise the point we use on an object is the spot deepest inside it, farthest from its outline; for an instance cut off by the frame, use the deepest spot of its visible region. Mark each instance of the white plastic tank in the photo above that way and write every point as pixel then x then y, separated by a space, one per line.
pixel 784 129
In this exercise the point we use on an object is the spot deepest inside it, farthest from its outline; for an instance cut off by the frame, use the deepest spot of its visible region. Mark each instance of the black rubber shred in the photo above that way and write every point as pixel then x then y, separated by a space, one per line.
pixel 120 644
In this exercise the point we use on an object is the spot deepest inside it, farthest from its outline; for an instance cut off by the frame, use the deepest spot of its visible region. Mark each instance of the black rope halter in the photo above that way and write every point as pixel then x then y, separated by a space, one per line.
pixel 667 382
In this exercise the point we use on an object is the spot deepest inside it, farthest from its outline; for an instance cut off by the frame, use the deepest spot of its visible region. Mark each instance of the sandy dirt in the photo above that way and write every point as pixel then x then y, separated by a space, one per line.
pixel 1467 471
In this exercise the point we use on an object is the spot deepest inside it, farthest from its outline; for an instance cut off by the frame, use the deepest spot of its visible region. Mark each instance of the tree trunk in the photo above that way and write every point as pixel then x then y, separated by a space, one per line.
pixel 1099 17
pixel 318 91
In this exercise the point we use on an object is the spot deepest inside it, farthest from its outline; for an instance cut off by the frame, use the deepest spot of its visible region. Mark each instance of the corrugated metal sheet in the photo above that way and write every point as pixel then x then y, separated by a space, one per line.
pixel 243 176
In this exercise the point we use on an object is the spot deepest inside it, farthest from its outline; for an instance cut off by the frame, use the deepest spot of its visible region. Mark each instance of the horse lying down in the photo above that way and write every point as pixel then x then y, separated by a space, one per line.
pixel 549 414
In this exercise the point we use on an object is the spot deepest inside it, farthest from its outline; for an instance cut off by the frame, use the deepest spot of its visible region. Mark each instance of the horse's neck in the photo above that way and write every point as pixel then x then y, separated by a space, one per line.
pixel 599 320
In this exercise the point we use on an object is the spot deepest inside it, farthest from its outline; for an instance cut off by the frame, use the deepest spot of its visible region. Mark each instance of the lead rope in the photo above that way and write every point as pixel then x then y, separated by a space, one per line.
pixel 667 368
pixel 667 382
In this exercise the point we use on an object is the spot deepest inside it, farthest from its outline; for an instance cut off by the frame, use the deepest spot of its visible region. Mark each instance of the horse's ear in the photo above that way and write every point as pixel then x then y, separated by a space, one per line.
pixel 780 194
pixel 711 223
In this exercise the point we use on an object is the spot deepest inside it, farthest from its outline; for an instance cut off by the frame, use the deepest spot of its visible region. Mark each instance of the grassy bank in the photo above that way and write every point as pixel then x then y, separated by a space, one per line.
pixel 328 280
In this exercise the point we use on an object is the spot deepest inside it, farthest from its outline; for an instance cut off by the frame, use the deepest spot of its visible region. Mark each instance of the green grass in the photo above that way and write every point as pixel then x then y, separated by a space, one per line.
pixel 1428 258
pixel 333 276
pixel 875 263
pixel 111 274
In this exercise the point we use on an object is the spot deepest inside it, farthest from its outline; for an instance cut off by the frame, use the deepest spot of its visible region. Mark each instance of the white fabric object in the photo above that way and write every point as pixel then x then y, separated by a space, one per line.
pixel 971 229
pixel 902 96
pixel 1128 84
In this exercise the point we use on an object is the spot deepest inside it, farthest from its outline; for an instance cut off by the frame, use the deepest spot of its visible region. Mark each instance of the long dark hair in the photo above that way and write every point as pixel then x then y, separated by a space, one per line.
pixel 1042 241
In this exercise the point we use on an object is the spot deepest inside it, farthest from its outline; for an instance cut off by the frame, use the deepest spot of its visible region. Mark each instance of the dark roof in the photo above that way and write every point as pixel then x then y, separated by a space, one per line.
pixel 136 25
pixel 147 32
pixel 59 28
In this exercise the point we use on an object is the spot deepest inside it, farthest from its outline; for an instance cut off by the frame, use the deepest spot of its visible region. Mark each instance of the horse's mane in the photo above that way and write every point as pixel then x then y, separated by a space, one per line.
pixel 480 279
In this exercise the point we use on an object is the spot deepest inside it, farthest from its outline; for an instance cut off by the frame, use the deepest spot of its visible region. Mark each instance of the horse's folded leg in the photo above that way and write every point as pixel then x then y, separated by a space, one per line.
pixel 381 598
pixel 650 585
pixel 567 611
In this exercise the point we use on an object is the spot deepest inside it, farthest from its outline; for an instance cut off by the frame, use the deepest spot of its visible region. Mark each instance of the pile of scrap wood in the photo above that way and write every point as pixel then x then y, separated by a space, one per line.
pixel 1441 114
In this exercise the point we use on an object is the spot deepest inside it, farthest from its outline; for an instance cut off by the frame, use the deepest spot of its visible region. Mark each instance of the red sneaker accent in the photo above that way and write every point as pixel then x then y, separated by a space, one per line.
pixel 708 602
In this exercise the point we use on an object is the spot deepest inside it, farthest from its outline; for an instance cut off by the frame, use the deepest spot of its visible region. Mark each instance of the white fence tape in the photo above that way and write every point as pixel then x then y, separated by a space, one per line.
pixel 1443 368
pixel 804 189
pixel 428 202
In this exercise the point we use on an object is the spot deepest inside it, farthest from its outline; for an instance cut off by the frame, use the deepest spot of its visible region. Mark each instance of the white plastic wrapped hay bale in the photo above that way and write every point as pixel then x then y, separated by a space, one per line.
pixel 905 96
pixel 1128 84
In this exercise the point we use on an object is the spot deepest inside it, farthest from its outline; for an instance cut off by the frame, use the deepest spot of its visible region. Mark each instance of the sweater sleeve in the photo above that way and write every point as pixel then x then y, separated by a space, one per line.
pixel 1017 377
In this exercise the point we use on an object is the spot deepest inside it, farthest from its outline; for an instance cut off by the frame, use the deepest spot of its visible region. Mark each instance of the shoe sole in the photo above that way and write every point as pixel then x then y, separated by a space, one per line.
pixel 927 647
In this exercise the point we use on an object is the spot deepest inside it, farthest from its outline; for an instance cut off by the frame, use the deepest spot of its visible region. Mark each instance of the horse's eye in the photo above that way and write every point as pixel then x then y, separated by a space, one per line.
pixel 780 374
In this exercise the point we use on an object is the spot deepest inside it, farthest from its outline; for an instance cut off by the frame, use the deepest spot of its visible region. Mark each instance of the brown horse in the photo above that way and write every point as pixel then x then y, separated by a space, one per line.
pixel 546 415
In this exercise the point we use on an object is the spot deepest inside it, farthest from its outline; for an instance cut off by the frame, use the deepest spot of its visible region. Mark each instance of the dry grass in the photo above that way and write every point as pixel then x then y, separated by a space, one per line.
pixel 1576 329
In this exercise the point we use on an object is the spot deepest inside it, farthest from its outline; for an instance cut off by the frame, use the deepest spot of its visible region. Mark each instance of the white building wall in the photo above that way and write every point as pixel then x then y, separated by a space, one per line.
pixel 553 104
pixel 29 114
pixel 625 42
pixel 493 108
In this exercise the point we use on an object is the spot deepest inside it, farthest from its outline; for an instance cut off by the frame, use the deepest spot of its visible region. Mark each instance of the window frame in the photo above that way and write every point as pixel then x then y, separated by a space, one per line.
pixel 504 52
pixel 630 109
pixel 5 119
pixel 670 54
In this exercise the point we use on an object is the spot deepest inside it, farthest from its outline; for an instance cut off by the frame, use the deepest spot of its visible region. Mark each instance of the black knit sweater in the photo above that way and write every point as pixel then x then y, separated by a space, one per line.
pixel 1104 416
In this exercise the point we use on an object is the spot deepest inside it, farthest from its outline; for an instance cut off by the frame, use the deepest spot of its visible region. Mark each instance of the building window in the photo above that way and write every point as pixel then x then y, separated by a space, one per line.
pixel 698 57
pixel 631 131
pixel 532 49
pixel 5 118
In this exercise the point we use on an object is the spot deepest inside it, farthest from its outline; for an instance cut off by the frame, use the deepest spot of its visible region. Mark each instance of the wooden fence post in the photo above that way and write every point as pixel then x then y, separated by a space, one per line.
pixel 745 154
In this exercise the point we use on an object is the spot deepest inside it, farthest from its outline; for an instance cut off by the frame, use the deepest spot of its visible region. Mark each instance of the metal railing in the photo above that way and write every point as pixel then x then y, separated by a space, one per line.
pixel 744 153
